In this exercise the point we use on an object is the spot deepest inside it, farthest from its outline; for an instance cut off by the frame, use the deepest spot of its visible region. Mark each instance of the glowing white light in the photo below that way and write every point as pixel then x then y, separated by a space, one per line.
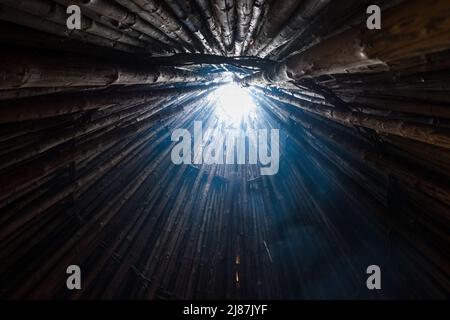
pixel 234 103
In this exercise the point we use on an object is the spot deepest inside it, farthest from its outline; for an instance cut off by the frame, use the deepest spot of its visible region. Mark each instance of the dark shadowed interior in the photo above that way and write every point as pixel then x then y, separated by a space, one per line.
pixel 86 170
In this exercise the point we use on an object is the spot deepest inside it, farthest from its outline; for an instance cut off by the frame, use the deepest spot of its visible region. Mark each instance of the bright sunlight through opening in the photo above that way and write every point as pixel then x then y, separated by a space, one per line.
pixel 234 104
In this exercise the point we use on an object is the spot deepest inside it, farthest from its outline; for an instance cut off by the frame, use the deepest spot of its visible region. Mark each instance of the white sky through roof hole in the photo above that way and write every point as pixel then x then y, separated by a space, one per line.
pixel 234 103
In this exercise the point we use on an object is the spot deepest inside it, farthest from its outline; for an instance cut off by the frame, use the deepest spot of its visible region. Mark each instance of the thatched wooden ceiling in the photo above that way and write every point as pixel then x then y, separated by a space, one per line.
pixel 86 118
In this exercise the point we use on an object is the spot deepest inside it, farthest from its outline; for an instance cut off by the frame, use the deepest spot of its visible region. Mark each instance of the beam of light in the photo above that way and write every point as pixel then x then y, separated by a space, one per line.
pixel 234 104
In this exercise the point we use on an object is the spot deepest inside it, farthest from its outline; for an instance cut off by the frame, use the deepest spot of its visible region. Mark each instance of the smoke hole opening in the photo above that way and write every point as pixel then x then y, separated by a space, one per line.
pixel 234 105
